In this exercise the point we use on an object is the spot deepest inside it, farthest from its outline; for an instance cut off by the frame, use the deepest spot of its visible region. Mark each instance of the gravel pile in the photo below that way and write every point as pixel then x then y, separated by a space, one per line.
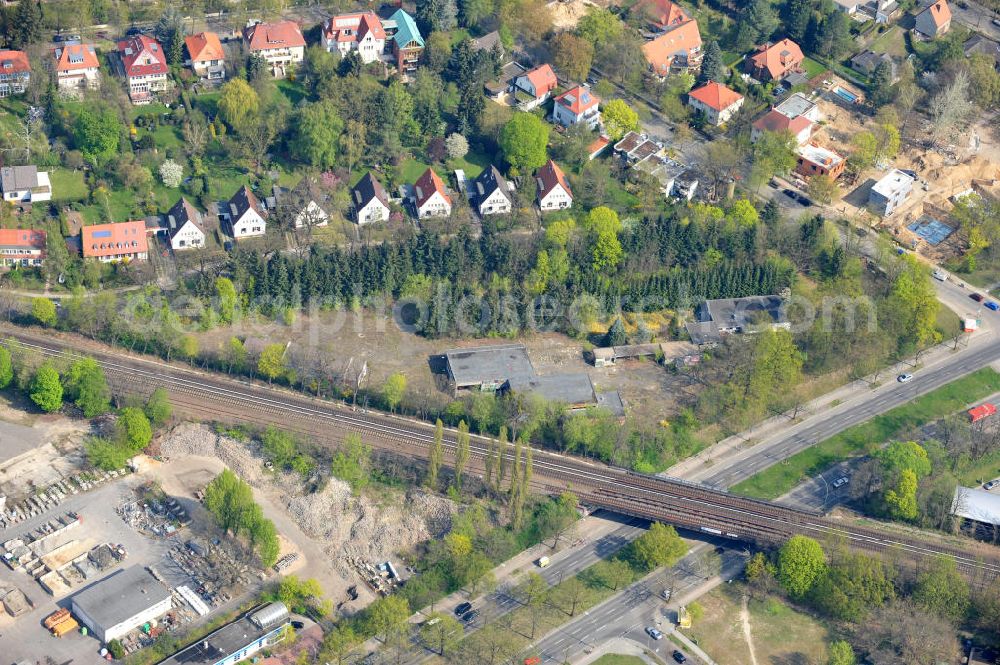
pixel 200 440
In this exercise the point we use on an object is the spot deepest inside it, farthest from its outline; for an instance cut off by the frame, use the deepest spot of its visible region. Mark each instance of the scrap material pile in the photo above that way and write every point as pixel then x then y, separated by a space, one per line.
pixel 216 575
pixel 382 579
pixel 51 496
pixel 154 517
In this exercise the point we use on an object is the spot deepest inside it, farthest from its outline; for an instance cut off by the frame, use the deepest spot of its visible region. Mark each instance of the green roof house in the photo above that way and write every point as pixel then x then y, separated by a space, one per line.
pixel 407 42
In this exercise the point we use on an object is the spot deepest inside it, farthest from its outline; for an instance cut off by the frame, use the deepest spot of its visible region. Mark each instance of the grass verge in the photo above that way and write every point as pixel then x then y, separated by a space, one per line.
pixel 781 478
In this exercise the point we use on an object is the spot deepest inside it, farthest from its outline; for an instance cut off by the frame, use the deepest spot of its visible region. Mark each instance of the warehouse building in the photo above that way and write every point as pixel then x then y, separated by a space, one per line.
pixel 254 631
pixel 121 602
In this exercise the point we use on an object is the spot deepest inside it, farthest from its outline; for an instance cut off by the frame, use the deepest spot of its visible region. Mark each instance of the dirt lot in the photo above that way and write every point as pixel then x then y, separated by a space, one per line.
pixel 565 15
pixel 329 529
pixel 767 631
pixel 346 340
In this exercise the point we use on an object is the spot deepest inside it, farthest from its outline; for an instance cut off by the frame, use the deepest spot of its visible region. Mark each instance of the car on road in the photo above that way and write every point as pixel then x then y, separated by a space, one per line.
pixel 462 609
pixel 996 22
pixel 978 297
pixel 904 378
pixel 665 594
pixel 654 633
pixel 990 485
pixel 470 616
pixel 840 482
pixel 678 656
pixel 939 275
pixel 720 550
pixel 992 305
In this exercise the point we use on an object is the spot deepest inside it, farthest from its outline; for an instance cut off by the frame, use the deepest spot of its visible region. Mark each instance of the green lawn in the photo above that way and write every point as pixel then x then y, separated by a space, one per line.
pixel 67 185
pixel 891 42
pixel 409 170
pixel 813 68
pixel 208 103
pixel 473 164
pixel 156 108
pixel 781 478
pixel 617 659
pixel 294 90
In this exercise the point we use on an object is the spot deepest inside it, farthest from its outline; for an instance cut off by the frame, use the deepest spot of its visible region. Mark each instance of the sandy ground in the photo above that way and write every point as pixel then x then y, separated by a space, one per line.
pixel 565 15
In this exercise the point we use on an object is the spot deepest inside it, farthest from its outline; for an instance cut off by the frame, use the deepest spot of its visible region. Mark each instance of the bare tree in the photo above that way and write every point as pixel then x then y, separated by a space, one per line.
pixel 950 108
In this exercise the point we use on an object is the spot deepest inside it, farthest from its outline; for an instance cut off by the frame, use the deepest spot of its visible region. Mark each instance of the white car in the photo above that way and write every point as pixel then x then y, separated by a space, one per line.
pixel 904 378
pixel 840 482
pixel 939 275
pixel 990 485
pixel 654 633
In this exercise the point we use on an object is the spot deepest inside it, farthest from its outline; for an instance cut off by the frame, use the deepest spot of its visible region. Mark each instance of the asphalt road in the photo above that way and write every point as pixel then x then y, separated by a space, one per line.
pixel 981 351
pixel 629 613
pixel 977 17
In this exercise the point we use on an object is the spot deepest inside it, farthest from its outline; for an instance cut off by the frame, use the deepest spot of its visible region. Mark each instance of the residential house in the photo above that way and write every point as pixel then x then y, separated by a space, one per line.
pixel 21 248
pixel 891 191
pixel 677 50
pixel 716 101
pixel 361 32
pixel 76 67
pixel 799 105
pixel 144 66
pixel 205 56
pixel 635 147
pixel 662 15
pixel 849 7
pixel 577 105
pixel 867 61
pixel 934 20
pixel 800 126
pixel 430 196
pixel 370 200
pixel 119 241
pixel 311 214
pixel 185 226
pixel 553 190
pixel 815 160
pixel 597 147
pixel 15 72
pixel 405 42
pixel 24 184
pixel 488 42
pixel 497 89
pixel 979 44
pixel 739 315
pixel 644 156
pixel 280 44
pixel 534 87
pixel 492 193
pixel 246 217
pixel 772 62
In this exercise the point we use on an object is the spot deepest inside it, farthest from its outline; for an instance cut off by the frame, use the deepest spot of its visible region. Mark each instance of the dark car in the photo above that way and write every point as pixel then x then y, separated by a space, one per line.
pixel 678 656
pixel 720 550
pixel 790 193
pixel 978 297
pixel 804 200
pixel 133 31
pixel 298 625
pixel 992 305
pixel 470 616
pixel 462 609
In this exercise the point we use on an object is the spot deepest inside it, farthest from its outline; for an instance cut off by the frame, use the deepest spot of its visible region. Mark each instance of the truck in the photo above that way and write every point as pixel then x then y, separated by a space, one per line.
pixel 542 562
pixel 56 617
pixel 66 626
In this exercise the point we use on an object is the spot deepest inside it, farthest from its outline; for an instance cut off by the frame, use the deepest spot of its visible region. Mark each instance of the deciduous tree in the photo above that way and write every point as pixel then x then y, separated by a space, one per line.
pixel 46 391
pixel 800 563
pixel 659 546
pixel 393 390
pixel 523 142
pixel 619 119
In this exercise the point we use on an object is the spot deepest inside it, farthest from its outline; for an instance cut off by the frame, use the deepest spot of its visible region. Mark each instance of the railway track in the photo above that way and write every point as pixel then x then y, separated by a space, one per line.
pixel 211 397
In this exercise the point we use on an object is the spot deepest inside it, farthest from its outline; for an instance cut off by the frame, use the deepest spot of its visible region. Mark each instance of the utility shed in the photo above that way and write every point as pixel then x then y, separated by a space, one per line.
pixel 731 315
pixel 976 505
pixel 121 602
pixel 487 368
pixel 574 389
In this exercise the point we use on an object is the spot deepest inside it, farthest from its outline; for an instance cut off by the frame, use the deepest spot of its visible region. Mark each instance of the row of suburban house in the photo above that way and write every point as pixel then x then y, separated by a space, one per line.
pixel 488 194
pixel 141 61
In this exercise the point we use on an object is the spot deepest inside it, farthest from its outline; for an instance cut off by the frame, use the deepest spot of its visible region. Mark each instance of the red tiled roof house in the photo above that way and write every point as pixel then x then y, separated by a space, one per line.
pixel 145 67
pixel 717 102
pixel 771 62
pixel 205 56
pixel 935 20
pixel 678 49
pixel 430 196
pixel 361 32
pixel 532 88
pixel 280 44
pixel 21 248
pixel 553 190
pixel 121 241
pixel 77 67
pixel 15 72
pixel 800 126
pixel 577 105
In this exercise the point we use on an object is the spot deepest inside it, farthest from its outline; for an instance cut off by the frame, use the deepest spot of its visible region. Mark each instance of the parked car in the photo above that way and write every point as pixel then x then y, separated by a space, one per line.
pixel 678 656
pixel 990 485
pixel 470 616
pixel 840 482
pixel 654 633
pixel 939 275
pixel 462 609
pixel 996 21
pixel 904 378
pixel 978 297
pixel 298 625
pixel 665 594
pixel 992 305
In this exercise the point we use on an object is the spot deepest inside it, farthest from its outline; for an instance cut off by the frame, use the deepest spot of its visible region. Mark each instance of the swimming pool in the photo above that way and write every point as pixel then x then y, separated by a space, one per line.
pixel 846 95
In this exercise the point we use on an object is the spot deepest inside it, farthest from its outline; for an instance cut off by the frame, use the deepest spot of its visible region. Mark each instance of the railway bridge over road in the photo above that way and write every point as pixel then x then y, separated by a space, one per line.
pixel 213 397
